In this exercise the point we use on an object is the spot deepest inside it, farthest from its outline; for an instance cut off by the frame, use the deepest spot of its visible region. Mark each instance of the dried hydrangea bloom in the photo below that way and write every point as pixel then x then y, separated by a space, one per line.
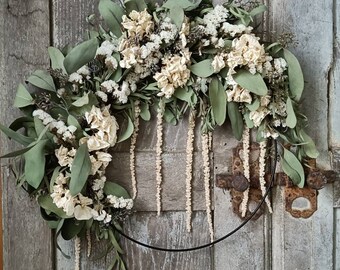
pixel 138 24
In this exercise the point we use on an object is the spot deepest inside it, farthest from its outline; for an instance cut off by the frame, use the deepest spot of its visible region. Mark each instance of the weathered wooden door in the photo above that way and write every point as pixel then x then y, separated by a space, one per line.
pixel 276 241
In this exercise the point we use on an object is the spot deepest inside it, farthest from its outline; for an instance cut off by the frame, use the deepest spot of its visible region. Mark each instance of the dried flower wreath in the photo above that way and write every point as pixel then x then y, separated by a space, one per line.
pixel 181 57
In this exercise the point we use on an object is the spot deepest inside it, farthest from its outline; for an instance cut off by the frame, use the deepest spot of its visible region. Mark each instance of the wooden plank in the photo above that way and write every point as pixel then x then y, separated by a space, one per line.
pixel 335 81
pixel 24 38
pixel 168 231
pixel 337 238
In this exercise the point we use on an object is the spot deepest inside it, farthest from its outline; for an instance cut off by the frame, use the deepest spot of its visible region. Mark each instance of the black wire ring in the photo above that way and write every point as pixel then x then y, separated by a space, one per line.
pixel 273 169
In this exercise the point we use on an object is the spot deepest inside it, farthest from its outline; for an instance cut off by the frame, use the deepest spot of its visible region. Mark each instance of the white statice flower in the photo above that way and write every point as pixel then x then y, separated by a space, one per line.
pixel 168 31
pixel 120 202
pixel 280 65
pixel 65 156
pixel 235 29
pixel 258 115
pixel 218 63
pixel 103 216
pixel 247 51
pixel 111 62
pixel 98 184
pixel 76 78
pixel 84 71
pixel 174 73
pixel 102 95
pixel 214 18
pixel 138 24
pixel 122 92
pixel 82 211
pixel 109 86
pixel 106 48
pixel 185 31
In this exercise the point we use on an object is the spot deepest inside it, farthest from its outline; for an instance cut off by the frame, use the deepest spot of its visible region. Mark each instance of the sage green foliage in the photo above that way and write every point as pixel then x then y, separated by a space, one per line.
pixel 114 189
pixel 293 168
pixel 203 69
pixel 236 120
pixel 23 98
pixel 42 79
pixel 80 55
pixel 57 59
pixel 112 14
pixel 218 99
pixel 296 81
pixel 253 83
pixel 81 168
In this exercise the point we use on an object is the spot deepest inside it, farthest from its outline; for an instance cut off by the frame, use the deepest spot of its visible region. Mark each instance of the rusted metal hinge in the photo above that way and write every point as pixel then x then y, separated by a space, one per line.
pixel 237 183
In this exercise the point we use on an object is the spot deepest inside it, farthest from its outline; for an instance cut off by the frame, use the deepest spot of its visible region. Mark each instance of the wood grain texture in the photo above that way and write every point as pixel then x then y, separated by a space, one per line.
pixel 334 82
pixel 311 22
pixel 24 39
pixel 169 231
pixel 336 167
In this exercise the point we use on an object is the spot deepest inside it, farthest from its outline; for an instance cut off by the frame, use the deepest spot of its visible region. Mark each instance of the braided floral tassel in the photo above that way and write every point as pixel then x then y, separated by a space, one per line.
pixel 159 146
pixel 246 169
pixel 206 171
pixel 189 166
pixel 262 168
pixel 132 151
pixel 77 249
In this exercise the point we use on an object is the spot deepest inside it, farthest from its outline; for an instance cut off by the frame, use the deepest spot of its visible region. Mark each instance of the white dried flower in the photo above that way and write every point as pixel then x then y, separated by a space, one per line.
pixel 111 62
pixel 106 48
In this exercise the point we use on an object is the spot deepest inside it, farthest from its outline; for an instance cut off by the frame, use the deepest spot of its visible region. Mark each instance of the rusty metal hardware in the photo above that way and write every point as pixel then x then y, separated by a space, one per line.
pixel 237 183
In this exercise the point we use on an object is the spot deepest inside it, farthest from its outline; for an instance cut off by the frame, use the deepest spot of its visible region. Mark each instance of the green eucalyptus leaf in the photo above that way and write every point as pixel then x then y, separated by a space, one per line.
pixel 82 101
pixel 42 79
pixel 291 118
pixel 236 119
pixel 112 14
pixel 145 112
pixel 35 164
pixel 184 93
pixel 138 5
pixel 128 131
pixel 16 136
pixel 177 16
pixel 81 168
pixel 114 189
pixel 295 75
pixel 114 242
pixel 54 176
pixel 170 117
pixel 71 228
pixel 258 10
pixel 253 106
pixel 18 152
pixel 81 55
pixel 247 120
pixel 57 59
pixel 23 98
pixel 203 69
pixel 218 101
pixel 309 148
pixel 46 202
pixel 295 170
pixel 21 122
pixel 253 83
pixel 184 4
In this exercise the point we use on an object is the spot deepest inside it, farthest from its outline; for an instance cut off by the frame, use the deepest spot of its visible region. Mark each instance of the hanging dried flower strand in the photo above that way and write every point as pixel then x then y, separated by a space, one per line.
pixel 89 243
pixel 132 150
pixel 206 172
pixel 189 167
pixel 159 146
pixel 262 171
pixel 246 169
pixel 77 250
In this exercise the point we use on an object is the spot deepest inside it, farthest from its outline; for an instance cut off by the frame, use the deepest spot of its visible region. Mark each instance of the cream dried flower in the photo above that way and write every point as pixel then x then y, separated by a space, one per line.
pixel 138 24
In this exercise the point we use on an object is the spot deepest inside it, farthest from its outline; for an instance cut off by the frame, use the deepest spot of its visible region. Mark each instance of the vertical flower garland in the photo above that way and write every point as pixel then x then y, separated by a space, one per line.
pixel 246 169
pixel 206 172
pixel 262 171
pixel 189 166
pixel 159 150
pixel 77 249
pixel 132 150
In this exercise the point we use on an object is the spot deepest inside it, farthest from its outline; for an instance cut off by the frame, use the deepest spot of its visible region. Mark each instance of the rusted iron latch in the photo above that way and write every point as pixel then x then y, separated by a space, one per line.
pixel 236 183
